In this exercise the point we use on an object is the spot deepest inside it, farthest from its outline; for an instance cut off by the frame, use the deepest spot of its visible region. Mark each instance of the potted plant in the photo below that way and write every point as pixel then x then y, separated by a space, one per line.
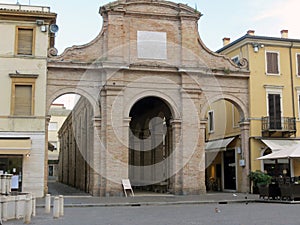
pixel 260 181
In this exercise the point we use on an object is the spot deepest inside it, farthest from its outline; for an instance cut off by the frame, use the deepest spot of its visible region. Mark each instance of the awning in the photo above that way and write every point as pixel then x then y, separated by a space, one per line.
pixel 15 146
pixel 282 149
pixel 218 145
pixel 280 144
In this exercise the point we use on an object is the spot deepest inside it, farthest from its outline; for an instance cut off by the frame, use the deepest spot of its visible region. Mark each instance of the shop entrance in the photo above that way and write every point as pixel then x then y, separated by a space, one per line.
pixel 229 170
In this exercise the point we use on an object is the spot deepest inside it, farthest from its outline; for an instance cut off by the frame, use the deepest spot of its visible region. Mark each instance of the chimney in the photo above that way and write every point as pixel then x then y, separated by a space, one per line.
pixel 251 32
pixel 284 33
pixel 226 41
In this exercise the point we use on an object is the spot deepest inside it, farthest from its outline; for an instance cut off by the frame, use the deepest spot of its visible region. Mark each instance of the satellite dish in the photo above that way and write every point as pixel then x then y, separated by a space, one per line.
pixel 53 28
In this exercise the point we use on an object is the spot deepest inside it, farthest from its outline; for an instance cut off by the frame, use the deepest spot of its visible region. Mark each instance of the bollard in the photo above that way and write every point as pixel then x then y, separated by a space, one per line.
pixel 47 203
pixel 33 205
pixel 56 208
pixel 61 205
pixel 27 211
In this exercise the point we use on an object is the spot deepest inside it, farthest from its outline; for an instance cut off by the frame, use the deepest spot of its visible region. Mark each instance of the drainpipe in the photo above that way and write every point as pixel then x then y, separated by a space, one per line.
pixel 292 81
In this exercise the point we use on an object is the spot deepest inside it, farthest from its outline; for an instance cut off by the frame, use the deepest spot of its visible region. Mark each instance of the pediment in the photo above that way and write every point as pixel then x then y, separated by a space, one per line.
pixel 150 7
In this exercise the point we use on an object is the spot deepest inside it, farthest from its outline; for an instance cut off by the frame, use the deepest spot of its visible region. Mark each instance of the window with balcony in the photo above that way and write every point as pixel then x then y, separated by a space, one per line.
pixel 272 63
pixel 25 41
pixel 274 124
pixel 274 111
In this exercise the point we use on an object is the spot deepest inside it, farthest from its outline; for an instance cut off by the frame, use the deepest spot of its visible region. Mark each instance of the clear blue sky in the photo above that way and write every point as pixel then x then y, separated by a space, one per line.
pixel 79 21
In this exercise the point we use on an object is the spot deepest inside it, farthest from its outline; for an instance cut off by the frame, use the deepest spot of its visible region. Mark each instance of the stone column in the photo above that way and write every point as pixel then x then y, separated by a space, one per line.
pixel 176 158
pixel 97 161
pixel 203 125
pixel 245 126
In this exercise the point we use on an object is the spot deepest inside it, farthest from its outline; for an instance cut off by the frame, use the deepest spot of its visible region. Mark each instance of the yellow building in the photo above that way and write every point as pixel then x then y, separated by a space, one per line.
pixel 25 39
pixel 224 158
pixel 274 99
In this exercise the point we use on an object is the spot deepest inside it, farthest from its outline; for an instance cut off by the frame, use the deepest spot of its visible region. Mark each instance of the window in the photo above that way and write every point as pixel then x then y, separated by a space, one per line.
pixel 274 111
pixel 272 63
pixel 22 96
pixel 52 126
pixel 211 124
pixel 235 60
pixel 298 93
pixel 298 63
pixel 24 41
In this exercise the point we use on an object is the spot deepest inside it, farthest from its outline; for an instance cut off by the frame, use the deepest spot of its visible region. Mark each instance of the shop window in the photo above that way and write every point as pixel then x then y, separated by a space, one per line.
pixel 24 41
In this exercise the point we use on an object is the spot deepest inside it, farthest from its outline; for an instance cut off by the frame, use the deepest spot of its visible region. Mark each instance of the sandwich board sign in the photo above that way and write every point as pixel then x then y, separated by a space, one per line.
pixel 127 186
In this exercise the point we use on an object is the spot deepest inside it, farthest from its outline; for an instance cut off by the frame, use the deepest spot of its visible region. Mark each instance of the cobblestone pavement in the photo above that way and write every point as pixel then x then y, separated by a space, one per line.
pixel 202 214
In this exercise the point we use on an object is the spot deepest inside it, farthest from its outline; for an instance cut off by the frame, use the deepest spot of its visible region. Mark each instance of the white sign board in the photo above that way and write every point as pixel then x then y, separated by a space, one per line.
pixel 151 45
pixel 127 186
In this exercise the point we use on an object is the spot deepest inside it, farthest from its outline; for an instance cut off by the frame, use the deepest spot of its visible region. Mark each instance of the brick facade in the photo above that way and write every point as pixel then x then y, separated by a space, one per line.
pixel 118 69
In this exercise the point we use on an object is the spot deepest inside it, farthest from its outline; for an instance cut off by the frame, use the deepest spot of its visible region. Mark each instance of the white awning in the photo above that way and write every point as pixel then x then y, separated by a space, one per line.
pixel 15 146
pixel 282 149
pixel 280 144
pixel 218 145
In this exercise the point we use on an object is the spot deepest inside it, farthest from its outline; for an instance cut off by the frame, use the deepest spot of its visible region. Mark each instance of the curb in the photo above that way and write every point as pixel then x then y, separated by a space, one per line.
pixel 137 204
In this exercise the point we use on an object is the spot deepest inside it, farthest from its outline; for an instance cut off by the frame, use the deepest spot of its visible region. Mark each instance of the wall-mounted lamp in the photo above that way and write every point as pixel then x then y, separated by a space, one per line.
pixel 257 46
pixel 27 155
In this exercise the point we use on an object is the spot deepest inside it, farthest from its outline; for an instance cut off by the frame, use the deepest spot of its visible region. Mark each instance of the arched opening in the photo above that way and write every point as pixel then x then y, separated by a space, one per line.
pixel 70 135
pixel 150 138
pixel 223 149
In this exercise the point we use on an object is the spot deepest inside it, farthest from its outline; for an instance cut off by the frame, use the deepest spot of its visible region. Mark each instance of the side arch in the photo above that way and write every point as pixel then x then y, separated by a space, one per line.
pixel 70 90
pixel 237 102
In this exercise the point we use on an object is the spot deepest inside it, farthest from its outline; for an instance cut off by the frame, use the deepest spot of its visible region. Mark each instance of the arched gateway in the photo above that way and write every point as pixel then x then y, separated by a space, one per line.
pixel 149 79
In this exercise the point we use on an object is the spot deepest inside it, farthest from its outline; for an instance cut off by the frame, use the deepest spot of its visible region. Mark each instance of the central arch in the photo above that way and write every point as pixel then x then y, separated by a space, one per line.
pixel 150 144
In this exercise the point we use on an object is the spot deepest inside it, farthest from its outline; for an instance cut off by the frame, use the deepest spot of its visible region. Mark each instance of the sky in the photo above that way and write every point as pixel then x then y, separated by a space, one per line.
pixel 79 21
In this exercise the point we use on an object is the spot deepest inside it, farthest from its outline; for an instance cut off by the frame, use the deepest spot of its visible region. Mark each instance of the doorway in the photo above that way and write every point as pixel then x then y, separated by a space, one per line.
pixel 229 170
pixel 150 140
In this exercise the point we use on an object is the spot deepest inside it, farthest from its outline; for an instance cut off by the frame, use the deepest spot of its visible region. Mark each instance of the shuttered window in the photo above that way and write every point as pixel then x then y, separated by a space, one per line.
pixel 272 63
pixel 211 122
pixel 298 64
pixel 23 100
pixel 25 41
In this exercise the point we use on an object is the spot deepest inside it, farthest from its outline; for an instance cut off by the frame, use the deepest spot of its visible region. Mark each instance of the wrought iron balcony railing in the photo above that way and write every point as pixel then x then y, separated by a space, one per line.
pixel 281 124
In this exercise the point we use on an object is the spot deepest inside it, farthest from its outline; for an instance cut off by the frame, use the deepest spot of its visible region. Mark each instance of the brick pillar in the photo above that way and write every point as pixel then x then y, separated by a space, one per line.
pixel 201 147
pixel 176 180
pixel 245 126
pixel 97 161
